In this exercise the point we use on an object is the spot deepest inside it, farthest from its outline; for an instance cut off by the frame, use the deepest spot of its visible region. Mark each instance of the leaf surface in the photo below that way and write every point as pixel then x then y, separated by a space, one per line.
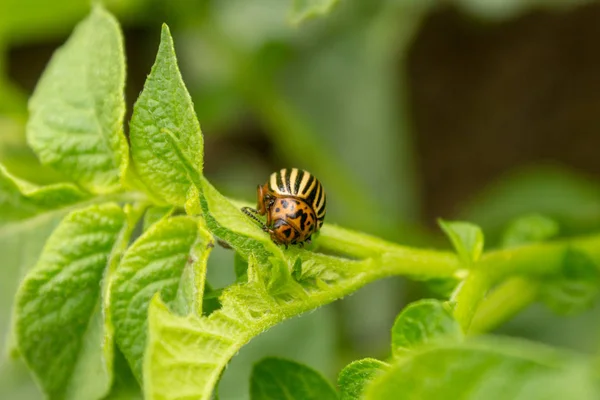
pixel 575 287
pixel 275 378
pixel 60 327
pixel 155 263
pixel 422 322
pixel 466 238
pixel 491 369
pixel 77 110
pixel 529 229
pixel 355 377
pixel 20 199
pixel 163 109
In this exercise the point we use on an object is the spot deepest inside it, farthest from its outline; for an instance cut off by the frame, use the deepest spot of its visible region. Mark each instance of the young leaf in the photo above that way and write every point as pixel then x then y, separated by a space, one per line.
pixel 165 108
pixel 60 327
pixel 274 379
pixel 193 351
pixel 529 229
pixel 77 110
pixel 227 222
pixel 240 266
pixel 422 322
pixel 491 370
pixel 20 199
pixel 575 288
pixel 303 10
pixel 155 214
pixel 355 377
pixel 155 263
pixel 466 238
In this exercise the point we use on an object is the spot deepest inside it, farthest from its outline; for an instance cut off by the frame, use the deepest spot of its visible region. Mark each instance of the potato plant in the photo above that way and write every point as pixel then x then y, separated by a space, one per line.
pixel 115 304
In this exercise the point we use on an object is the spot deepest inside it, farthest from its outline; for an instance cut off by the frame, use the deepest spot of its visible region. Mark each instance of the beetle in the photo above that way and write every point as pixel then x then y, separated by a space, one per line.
pixel 294 202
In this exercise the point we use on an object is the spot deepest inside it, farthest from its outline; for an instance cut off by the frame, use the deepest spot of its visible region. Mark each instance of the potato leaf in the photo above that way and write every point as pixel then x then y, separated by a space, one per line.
pixel 491 369
pixel 20 199
pixel 422 322
pixel 466 238
pixel 274 379
pixel 155 263
pixel 575 287
pixel 60 321
pixel 77 110
pixel 529 229
pixel 355 377
pixel 165 108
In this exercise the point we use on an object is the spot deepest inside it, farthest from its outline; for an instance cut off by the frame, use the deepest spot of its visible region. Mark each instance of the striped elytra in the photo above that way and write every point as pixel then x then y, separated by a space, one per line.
pixel 294 202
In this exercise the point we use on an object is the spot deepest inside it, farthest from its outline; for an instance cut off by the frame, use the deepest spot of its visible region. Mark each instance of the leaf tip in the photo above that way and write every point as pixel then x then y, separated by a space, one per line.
pixel 165 33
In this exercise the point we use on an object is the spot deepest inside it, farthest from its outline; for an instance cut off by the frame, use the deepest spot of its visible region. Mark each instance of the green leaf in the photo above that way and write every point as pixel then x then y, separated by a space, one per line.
pixel 491 370
pixel 575 287
pixel 20 199
pixel 355 377
pixel 60 322
pixel 77 110
pixel 155 263
pixel 181 347
pixel 164 109
pixel 529 229
pixel 125 386
pixel 466 238
pixel 226 221
pixel 240 266
pixel 303 10
pixel 281 283
pixel 274 379
pixel 155 214
pixel 422 322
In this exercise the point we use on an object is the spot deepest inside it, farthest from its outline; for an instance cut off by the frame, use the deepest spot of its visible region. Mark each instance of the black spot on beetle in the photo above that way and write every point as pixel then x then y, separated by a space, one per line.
pixel 277 209
pixel 303 220
pixel 284 203
pixel 297 214
pixel 287 232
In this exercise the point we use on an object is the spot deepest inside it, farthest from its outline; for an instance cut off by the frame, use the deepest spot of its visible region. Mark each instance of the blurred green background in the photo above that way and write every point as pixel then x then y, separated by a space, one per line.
pixel 406 110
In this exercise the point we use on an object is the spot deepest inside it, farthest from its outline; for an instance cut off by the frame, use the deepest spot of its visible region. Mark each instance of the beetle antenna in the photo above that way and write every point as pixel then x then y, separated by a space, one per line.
pixel 251 212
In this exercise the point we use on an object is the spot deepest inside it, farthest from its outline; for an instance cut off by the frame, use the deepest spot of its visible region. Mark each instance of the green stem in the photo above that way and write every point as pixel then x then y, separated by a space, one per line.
pixel 504 302
pixel 537 259
pixel 467 297
pixel 473 310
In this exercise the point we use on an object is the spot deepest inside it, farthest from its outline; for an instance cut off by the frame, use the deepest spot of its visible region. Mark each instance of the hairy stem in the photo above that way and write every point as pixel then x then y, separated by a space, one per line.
pixel 467 297
pixel 509 298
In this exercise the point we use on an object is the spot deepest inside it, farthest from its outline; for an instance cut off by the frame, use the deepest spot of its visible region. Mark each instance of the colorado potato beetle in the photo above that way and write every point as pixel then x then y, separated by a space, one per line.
pixel 294 203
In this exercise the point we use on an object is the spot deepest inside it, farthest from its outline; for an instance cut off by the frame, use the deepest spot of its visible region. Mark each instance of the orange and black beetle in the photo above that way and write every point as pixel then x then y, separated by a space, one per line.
pixel 294 202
